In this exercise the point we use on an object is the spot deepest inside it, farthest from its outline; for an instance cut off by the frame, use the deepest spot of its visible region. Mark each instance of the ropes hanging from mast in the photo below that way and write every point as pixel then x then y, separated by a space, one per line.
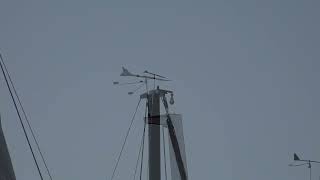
pixel 26 118
pixel 141 148
pixel 20 118
pixel 125 140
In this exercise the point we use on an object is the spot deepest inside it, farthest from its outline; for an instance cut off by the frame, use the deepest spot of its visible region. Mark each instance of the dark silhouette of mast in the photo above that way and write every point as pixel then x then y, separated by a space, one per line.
pixel 6 169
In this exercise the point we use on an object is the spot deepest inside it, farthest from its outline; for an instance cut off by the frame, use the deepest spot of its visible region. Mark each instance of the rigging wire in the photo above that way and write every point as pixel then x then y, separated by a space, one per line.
pixel 136 167
pixel 140 149
pixel 20 118
pixel 125 140
pixel 141 145
pixel 27 119
pixel 164 154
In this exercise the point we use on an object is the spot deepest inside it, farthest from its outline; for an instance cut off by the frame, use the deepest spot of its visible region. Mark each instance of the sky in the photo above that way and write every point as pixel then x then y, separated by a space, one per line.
pixel 245 77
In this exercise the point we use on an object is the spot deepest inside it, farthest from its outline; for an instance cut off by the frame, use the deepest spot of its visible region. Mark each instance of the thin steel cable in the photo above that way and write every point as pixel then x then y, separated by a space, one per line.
pixel 27 119
pixel 164 154
pixel 125 140
pixel 20 118
pixel 139 154
pixel 140 149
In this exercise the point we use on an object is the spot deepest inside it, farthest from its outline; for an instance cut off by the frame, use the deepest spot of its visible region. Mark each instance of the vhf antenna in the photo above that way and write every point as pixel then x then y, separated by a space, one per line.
pixel 146 76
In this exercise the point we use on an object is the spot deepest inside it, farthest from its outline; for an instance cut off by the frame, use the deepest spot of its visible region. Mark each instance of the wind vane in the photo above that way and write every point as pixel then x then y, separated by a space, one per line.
pixel 306 162
pixel 146 76
pixel 125 72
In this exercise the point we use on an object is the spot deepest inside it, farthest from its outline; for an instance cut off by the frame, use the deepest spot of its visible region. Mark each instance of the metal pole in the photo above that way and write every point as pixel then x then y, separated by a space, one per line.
pixel 154 136
pixel 310 170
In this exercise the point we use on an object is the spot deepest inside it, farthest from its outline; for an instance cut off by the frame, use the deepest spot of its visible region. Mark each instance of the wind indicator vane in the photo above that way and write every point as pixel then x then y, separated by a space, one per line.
pixel 154 76
pixel 305 162
pixel 146 76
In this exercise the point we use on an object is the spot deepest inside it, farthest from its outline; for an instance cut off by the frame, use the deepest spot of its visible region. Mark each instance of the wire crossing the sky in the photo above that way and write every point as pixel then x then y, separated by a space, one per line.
pixel 26 118
pixel 125 140
pixel 140 151
pixel 20 118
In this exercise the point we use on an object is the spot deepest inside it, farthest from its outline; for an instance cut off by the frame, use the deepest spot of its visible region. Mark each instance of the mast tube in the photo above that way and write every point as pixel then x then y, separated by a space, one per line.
pixel 154 136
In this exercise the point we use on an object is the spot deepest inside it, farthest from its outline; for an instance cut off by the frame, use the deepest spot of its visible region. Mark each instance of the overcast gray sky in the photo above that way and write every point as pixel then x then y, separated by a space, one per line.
pixel 246 79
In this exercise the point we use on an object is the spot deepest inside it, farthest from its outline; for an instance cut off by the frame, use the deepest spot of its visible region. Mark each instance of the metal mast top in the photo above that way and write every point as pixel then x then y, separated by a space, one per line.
pixel 155 122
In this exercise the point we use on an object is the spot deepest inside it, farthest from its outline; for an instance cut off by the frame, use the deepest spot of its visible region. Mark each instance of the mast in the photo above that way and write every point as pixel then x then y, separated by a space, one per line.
pixel 153 99
pixel 155 122
pixel 6 168
pixel 154 136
